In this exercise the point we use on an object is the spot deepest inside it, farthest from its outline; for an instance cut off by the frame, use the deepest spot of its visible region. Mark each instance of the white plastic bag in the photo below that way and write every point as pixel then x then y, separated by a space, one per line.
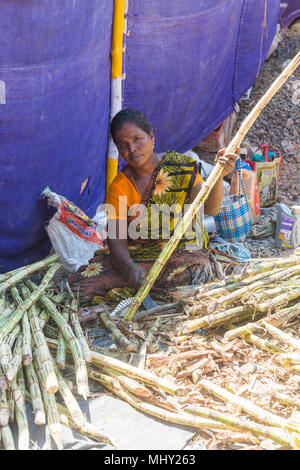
pixel 74 236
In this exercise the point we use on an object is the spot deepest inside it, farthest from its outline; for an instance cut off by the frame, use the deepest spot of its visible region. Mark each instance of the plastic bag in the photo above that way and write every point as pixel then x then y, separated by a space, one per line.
pixel 74 236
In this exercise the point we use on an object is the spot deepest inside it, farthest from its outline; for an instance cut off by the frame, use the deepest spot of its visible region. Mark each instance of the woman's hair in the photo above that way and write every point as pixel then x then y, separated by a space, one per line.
pixel 129 115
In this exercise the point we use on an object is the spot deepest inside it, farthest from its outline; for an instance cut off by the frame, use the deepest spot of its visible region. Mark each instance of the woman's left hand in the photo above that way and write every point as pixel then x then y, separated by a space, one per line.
pixel 227 160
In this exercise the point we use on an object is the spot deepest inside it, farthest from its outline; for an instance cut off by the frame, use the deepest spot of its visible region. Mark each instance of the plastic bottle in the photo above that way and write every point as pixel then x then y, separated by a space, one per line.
pixel 287 226
pixel 296 229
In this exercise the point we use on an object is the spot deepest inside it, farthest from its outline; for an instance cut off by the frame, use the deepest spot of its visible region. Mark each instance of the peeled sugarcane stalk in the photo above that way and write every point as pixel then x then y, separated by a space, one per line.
pixel 18 313
pixel 242 424
pixel 116 333
pixel 113 385
pixel 282 336
pixel 70 402
pixel 42 351
pixel 206 189
pixel 263 344
pixel 76 350
pixel 21 417
pixel 50 404
pixel 36 396
pixel 26 346
pixel 141 359
pixel 62 345
pixel 211 321
pixel 13 280
pixel 262 415
pixel 7 438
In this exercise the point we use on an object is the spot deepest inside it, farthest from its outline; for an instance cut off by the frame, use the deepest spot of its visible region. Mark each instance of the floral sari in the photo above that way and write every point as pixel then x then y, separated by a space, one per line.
pixel 170 187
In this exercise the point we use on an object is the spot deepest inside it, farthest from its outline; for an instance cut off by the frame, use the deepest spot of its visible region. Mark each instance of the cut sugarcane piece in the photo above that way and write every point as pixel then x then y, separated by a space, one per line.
pixel 286 399
pixel 141 359
pixel 12 322
pixel 116 333
pixel 263 344
pixel 259 413
pixel 36 396
pixel 78 332
pixel 242 424
pixel 11 405
pixel 62 345
pixel 287 360
pixel 4 409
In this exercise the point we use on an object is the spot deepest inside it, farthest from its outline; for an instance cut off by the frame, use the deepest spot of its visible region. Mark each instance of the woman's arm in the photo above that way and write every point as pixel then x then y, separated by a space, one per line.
pixel 214 201
pixel 122 260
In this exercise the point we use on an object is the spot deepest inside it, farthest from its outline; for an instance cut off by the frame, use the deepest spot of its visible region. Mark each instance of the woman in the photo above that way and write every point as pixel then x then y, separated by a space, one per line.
pixel 147 193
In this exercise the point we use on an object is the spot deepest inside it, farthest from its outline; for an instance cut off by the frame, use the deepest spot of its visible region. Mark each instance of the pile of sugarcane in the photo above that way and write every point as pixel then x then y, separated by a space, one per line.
pixel 269 287
pixel 28 371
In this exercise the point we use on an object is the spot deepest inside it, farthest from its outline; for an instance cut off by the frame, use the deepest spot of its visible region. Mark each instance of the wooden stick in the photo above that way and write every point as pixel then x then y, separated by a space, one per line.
pixel 206 189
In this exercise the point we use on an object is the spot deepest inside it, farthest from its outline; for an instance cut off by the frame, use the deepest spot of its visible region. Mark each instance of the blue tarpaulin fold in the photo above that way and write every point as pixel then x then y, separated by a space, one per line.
pixel 185 65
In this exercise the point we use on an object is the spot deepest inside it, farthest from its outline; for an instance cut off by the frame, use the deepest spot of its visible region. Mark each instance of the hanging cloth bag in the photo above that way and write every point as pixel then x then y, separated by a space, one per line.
pixel 267 168
pixel 233 222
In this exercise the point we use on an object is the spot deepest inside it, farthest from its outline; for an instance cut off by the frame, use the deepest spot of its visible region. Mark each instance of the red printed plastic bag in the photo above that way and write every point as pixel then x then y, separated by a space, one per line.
pixel 72 233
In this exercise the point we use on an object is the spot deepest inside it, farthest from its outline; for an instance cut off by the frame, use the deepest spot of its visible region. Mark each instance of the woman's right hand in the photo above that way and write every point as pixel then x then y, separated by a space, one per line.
pixel 135 276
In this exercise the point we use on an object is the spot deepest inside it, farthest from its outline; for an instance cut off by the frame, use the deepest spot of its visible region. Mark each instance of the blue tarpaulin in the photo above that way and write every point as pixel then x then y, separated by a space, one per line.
pixel 185 65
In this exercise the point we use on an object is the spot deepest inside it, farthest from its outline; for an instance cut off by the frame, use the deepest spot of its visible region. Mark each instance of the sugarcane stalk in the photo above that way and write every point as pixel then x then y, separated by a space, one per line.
pixel 141 359
pixel 4 409
pixel 286 399
pixel 5 361
pixel 26 271
pixel 11 338
pixel 210 321
pixel 21 381
pixel 75 346
pixel 282 299
pixel 61 343
pixel 242 424
pixel 116 333
pixel 50 404
pixel 263 344
pixel 285 315
pixel 206 189
pixel 282 336
pixel 87 429
pixel 35 394
pixel 21 417
pixel 26 346
pixel 16 360
pixel 70 402
pixel 12 322
pixel 7 438
pixel 11 405
pixel 274 263
pixel 131 385
pixel 100 360
pixel 287 359
pixel 42 351
pixel 178 418
pixel 262 415
pixel 79 333
pixel 44 318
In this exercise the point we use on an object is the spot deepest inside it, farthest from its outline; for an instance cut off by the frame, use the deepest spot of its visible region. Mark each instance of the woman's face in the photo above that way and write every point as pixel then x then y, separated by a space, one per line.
pixel 134 145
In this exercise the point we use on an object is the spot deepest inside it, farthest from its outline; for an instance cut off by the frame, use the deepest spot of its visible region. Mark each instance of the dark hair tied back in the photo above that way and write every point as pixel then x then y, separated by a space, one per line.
pixel 129 115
